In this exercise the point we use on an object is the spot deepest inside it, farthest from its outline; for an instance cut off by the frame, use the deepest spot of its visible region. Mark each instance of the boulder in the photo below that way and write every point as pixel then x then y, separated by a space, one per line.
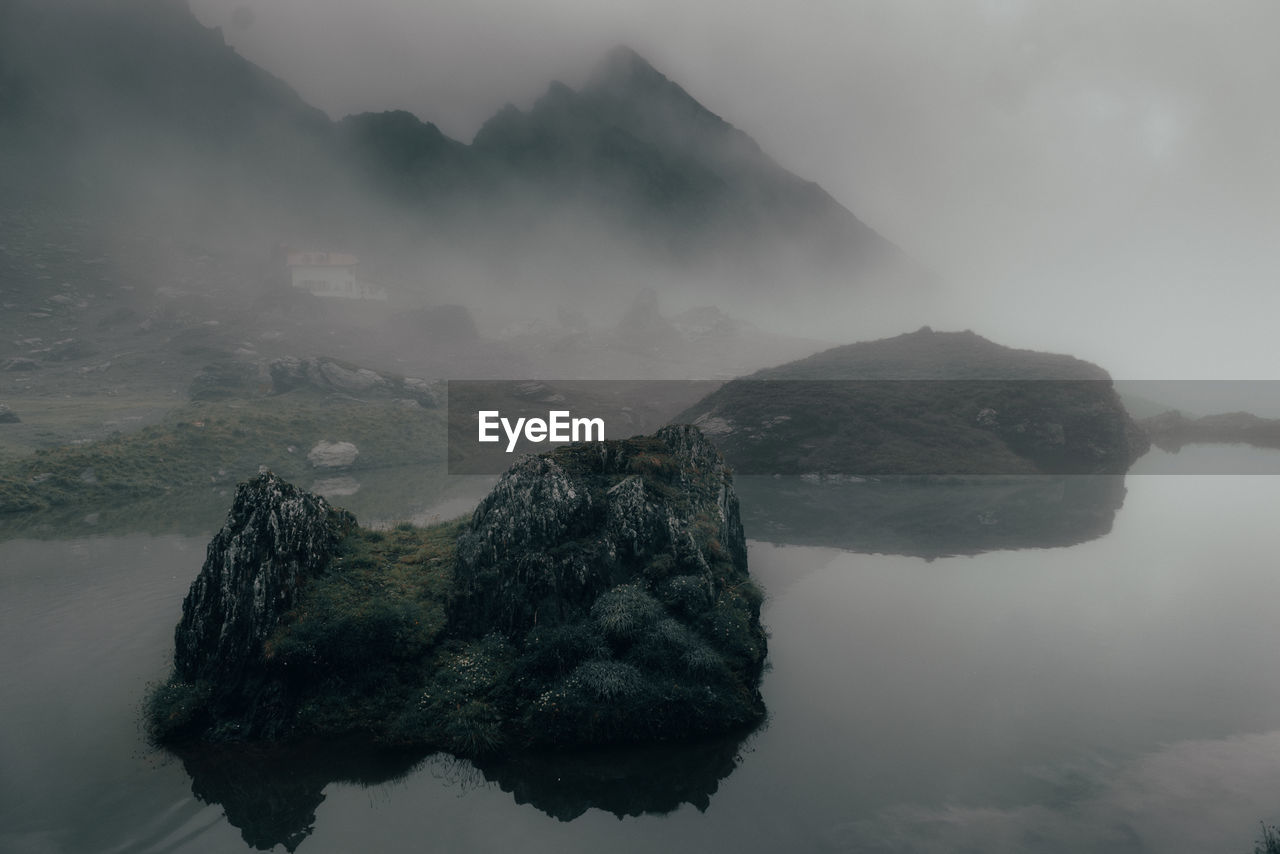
pixel 332 455
pixel 325 375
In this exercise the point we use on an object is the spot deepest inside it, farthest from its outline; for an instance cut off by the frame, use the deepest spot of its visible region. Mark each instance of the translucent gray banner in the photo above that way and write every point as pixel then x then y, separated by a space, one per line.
pixel 879 428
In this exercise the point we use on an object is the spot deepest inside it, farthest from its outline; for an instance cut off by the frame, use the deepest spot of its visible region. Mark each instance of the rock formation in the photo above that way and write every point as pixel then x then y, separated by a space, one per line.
pixel 598 594
pixel 620 570
pixel 275 538
pixel 513 568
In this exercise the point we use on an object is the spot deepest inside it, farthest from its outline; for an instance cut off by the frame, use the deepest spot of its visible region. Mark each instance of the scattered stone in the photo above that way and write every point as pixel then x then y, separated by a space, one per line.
pixel 422 391
pixel 325 375
pixel 356 381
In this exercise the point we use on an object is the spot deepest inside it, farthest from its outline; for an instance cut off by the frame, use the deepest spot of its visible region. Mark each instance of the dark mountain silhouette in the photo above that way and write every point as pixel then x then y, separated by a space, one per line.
pixel 104 97
pixel 638 145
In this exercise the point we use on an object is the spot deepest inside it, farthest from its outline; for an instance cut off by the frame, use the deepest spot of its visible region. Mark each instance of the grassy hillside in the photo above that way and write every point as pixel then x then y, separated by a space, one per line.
pixel 207 447
pixel 925 403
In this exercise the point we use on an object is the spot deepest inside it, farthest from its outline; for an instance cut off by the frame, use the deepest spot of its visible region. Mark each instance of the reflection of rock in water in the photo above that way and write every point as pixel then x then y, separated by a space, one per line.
pixel 626 781
pixel 270 793
pixel 930 518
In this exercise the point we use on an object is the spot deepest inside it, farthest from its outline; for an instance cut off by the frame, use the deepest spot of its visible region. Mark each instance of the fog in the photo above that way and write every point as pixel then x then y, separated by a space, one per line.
pixel 1084 177
pixel 252 243
pixel 1081 178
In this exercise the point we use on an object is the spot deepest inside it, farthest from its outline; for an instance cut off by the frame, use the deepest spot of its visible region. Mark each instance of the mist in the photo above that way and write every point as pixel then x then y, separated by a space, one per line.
pixel 932 350
pixel 1081 177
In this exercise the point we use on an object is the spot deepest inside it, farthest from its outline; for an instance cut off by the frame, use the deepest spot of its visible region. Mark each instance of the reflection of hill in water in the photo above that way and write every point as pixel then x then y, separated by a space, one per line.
pixel 271 792
pixel 930 518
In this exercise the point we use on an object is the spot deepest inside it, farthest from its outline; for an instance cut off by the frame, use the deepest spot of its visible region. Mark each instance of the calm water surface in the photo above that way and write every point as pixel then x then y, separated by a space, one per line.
pixel 1121 694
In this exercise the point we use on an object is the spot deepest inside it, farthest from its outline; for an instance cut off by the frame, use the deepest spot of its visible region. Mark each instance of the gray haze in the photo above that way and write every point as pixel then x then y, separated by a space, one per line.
pixel 1090 177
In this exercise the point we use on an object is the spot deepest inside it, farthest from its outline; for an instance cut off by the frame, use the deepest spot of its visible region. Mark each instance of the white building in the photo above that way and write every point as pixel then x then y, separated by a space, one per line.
pixel 330 274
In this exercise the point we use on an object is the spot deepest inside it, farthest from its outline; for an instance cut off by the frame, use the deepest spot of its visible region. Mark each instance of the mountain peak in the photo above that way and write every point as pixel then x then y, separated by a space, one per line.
pixel 622 68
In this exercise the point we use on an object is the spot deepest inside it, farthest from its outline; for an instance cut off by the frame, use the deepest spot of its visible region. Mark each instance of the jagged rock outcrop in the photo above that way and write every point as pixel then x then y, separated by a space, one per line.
pixel 515 564
pixel 275 538
pixel 619 568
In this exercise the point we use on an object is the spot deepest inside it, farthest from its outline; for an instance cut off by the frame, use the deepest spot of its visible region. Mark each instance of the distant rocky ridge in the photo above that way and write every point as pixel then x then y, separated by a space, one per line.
pixel 1172 430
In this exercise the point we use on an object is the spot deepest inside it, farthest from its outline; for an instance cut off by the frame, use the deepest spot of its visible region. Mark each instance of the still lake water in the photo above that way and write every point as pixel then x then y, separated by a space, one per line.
pixel 1119 694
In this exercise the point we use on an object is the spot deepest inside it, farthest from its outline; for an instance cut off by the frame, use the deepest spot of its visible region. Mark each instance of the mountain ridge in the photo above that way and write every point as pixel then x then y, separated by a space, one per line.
pixel 120 86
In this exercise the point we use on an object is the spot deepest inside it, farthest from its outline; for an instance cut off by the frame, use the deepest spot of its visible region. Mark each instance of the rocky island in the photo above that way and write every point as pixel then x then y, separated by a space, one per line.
pixel 599 594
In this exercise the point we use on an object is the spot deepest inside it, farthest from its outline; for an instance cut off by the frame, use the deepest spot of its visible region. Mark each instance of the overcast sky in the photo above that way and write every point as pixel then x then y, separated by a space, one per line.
pixel 1087 174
